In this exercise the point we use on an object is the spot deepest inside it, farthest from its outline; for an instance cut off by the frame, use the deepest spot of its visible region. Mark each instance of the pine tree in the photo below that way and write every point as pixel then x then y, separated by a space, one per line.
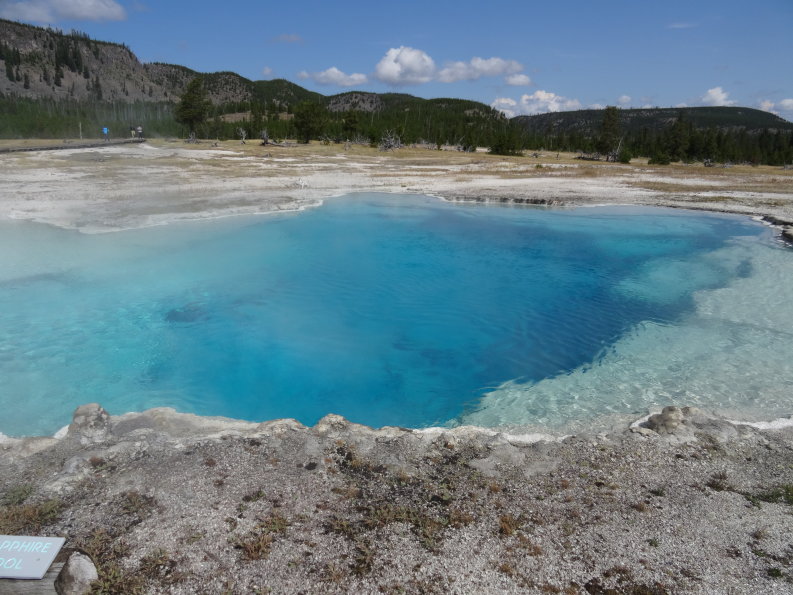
pixel 193 108
pixel 678 140
pixel 609 131
pixel 310 120
pixel 349 125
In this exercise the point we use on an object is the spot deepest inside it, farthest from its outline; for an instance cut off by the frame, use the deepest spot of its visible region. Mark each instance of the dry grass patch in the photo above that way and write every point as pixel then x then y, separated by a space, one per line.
pixel 675 187
pixel 21 519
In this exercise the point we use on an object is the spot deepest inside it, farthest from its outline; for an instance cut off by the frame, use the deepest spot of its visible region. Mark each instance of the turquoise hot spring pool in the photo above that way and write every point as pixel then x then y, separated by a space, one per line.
pixel 399 310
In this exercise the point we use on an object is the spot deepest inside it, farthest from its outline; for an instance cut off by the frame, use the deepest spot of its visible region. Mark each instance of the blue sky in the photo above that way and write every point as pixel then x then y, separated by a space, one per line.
pixel 519 56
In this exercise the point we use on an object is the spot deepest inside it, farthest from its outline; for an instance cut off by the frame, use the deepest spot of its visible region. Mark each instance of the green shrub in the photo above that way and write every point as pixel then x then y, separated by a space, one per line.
pixel 660 158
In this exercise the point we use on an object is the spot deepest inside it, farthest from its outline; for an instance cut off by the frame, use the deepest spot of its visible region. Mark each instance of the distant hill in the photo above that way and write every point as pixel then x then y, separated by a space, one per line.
pixel 56 84
pixel 723 134
pixel 52 78
pixel 48 64
pixel 587 122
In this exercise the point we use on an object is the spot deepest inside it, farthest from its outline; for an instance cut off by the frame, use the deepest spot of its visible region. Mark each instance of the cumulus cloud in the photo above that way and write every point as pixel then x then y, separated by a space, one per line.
pixel 53 11
pixel 544 101
pixel 785 105
pixel 538 102
pixel 410 66
pixel 717 97
pixel 623 100
pixel 518 80
pixel 267 71
pixel 596 106
pixel 477 68
pixel 405 66
pixel 767 106
pixel 506 106
pixel 334 76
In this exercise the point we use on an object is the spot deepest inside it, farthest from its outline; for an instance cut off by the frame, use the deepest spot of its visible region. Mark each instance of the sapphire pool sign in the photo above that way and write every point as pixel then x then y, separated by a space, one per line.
pixel 27 557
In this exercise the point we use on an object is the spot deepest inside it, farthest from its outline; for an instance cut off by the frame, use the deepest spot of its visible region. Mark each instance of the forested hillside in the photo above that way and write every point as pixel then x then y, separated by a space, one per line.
pixel 63 84
pixel 725 134
pixel 55 84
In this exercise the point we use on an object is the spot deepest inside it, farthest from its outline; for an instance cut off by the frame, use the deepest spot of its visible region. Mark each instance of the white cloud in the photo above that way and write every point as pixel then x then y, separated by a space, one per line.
pixel 518 80
pixel 544 101
pixel 624 100
pixel 506 106
pixel 477 68
pixel 681 25
pixel 784 105
pixel 716 97
pixel 52 11
pixel 681 104
pixel 538 102
pixel 767 106
pixel 267 71
pixel 405 66
pixel 334 76
pixel 596 106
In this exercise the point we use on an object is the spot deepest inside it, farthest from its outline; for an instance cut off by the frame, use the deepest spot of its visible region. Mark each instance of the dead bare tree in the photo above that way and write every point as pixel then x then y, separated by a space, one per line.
pixel 390 141
pixel 243 134
pixel 265 136
pixel 614 155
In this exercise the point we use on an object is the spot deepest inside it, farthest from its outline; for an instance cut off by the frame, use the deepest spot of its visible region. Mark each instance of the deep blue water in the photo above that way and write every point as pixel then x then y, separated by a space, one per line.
pixel 388 310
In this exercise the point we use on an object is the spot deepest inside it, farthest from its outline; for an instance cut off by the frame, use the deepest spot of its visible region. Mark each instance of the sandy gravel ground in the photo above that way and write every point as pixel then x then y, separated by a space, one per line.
pixel 168 503
pixel 174 503
pixel 111 188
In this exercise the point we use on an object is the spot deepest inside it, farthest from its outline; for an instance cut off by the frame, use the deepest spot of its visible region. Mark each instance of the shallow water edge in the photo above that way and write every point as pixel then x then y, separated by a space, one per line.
pixel 178 424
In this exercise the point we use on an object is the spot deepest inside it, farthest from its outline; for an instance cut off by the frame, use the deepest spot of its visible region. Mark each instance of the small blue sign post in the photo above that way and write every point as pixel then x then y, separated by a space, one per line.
pixel 24 557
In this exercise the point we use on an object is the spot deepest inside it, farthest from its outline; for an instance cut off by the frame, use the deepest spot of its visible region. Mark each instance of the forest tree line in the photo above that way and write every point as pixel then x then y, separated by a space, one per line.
pixel 436 122
pixel 680 141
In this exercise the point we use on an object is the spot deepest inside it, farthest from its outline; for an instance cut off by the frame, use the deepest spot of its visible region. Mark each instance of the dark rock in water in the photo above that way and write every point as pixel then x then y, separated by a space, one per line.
pixel 188 313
